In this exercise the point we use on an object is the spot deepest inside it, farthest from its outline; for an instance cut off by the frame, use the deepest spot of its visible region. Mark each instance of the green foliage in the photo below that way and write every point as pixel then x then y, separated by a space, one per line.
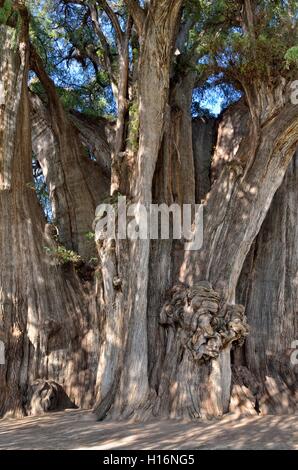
pixel 76 99
pixel 6 11
pixel 133 132
pixel 264 49
pixel 63 256
pixel 90 236
pixel 12 18
pixel 37 88
pixel 63 37
pixel 221 43
pixel 291 57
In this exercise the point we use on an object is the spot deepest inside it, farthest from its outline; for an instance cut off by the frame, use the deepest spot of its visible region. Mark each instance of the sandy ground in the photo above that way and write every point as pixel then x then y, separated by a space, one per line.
pixel 80 430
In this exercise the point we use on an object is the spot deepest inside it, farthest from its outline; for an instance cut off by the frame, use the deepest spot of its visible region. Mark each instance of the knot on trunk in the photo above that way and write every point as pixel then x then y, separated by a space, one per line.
pixel 204 323
pixel 45 396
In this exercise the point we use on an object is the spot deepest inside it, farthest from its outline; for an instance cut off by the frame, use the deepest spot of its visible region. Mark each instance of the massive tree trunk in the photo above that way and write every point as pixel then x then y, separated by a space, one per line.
pixel 200 323
pixel 267 287
pixel 189 356
pixel 123 370
pixel 96 135
pixel 49 324
pixel 173 183
pixel 154 350
pixel 76 183
pixel 204 132
pixel 68 190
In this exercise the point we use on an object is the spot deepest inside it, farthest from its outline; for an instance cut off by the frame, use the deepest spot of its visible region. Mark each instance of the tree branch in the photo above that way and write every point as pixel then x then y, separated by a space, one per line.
pixel 37 66
pixel 137 13
pixel 105 45
pixel 114 20
pixel 76 2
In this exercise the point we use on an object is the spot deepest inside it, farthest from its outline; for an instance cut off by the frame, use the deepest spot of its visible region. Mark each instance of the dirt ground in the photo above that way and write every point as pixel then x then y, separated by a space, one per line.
pixel 80 430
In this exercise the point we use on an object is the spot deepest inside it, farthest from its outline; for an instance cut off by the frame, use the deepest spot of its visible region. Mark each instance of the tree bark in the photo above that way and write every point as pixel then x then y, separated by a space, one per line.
pixel 123 371
pixel 173 183
pixel 168 321
pixel 49 324
pixel 235 209
pixel 267 287
pixel 76 184
pixel 96 135
pixel 204 131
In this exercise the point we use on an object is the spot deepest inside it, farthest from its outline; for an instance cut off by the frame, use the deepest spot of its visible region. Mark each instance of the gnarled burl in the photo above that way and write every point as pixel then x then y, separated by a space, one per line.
pixel 199 328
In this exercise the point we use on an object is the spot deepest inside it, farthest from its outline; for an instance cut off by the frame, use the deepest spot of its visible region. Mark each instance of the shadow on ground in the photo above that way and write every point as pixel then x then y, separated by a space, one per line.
pixel 80 430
